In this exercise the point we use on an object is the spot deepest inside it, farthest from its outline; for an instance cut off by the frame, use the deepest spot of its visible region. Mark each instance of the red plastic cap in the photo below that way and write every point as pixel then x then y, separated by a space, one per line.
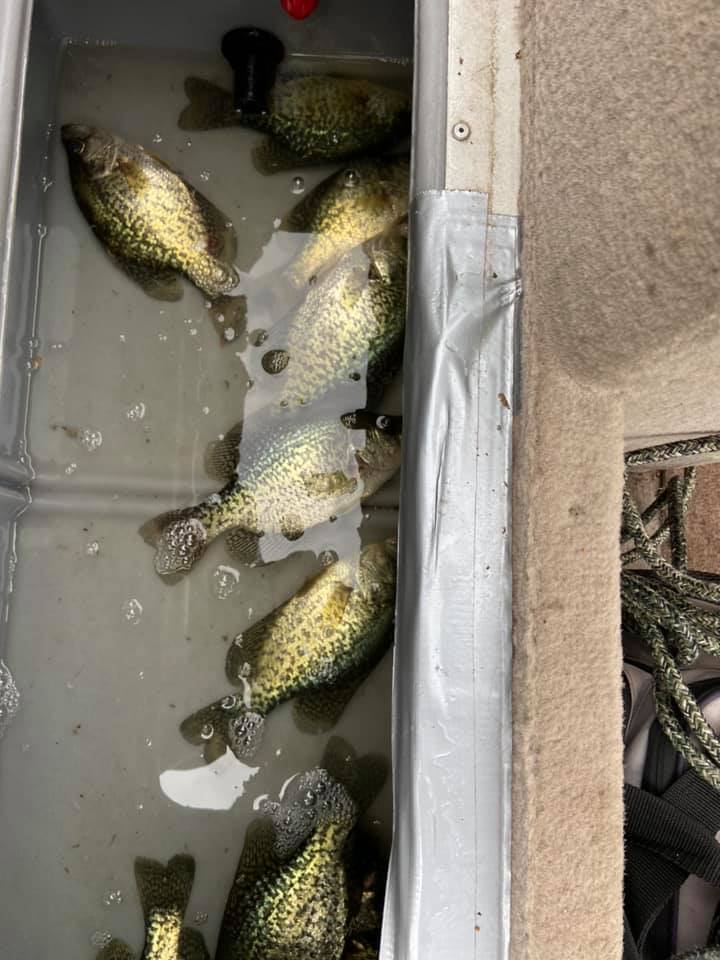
pixel 299 8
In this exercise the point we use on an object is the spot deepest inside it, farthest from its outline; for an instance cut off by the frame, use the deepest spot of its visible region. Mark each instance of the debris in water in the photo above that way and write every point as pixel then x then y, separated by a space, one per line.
pixel 9 698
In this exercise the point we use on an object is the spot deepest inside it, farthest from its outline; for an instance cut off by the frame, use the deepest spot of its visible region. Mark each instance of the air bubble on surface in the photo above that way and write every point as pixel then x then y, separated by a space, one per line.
pixel 100 938
pixel 229 334
pixel 132 611
pixel 188 142
pixel 162 337
pixel 206 410
pixel 298 185
pixel 9 698
pixel 225 581
pixel 205 175
pixel 207 731
pixel 157 138
pixel 200 917
pixel 92 549
pixel 91 439
pixel 42 230
pixel 137 411
pixel 229 702
pixel 70 469
pixel 113 898
pixel 327 557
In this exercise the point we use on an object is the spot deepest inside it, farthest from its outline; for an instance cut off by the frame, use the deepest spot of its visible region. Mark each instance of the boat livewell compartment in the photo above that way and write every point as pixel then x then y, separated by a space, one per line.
pixel 109 402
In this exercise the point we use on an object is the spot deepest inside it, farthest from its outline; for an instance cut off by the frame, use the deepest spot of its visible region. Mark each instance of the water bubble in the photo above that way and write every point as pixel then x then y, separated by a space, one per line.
pixel 258 337
pixel 207 731
pixel 113 897
pixel 132 611
pixel 9 698
pixel 100 938
pixel 42 230
pixel 229 334
pixel 276 222
pixel 309 799
pixel 148 742
pixel 57 346
pixel 123 338
pixel 136 411
pixel 327 557
pixel 193 331
pixel 91 439
pixel 352 178
pixel 141 675
pixel 188 142
pixel 355 376
pixel 46 184
pixel 92 549
pixel 140 806
pixel 244 671
pixel 298 185
pixel 225 581
pixel 206 410
pixel 200 917
pixel 70 469
pixel 162 337
pixel 205 175
pixel 157 138
pixel 312 280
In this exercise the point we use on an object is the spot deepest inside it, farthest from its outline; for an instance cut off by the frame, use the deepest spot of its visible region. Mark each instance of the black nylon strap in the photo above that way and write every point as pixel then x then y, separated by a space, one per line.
pixel 667 838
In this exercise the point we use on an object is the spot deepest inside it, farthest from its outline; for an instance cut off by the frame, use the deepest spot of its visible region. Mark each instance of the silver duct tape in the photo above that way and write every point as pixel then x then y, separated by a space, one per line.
pixel 9 698
pixel 449 886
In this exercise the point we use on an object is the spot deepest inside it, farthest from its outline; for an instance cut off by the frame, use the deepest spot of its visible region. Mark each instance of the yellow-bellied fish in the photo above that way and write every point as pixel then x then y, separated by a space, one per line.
pixel 283 479
pixel 350 325
pixel 316 649
pixel 290 897
pixel 309 119
pixel 349 207
pixel 164 894
pixel 151 221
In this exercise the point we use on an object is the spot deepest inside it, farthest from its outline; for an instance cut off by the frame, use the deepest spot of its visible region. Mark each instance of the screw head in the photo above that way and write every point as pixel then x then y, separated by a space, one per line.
pixel 461 130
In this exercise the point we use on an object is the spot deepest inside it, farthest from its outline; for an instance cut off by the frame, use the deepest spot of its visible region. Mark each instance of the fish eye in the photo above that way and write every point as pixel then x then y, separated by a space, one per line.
pixel 77 147
pixel 383 422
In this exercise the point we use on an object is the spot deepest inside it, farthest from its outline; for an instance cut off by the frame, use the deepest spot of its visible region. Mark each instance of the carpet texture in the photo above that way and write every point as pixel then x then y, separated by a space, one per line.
pixel 621 335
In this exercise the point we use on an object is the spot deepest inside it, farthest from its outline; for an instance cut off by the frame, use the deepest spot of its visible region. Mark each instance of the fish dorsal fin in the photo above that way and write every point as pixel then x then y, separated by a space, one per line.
pixel 242 657
pixel 221 233
pixel 164 887
pixel 192 945
pixel 362 777
pixel 319 710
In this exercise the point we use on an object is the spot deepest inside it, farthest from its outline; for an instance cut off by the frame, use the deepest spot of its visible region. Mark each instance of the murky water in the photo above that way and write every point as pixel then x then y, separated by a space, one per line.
pixel 127 393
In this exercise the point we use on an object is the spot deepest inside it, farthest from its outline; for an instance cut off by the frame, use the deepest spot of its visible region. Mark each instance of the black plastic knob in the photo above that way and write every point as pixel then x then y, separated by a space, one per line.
pixel 254 55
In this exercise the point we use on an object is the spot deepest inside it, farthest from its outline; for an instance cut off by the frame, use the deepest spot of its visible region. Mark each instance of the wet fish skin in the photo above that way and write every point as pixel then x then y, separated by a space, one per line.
pixel 164 894
pixel 310 119
pixel 290 477
pixel 346 209
pixel 350 325
pixel 153 223
pixel 290 896
pixel 317 647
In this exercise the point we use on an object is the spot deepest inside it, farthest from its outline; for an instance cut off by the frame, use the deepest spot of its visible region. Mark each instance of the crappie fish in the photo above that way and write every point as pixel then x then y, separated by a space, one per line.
pixel 283 479
pixel 309 119
pixel 153 223
pixel 316 649
pixel 350 325
pixel 290 898
pixel 346 209
pixel 164 894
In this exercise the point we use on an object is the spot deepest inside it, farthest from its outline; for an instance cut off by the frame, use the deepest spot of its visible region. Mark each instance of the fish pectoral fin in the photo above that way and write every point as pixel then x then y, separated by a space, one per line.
pixel 210 106
pixel 256 550
pixel 162 887
pixel 158 283
pixel 319 710
pixel 258 853
pixel 223 456
pixel 115 950
pixel 192 945
pixel 329 485
pixel 273 156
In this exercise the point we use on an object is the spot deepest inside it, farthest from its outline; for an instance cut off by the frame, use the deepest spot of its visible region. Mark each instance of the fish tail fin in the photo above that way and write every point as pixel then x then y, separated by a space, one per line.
pixel 179 538
pixel 165 888
pixel 225 723
pixel 210 106
pixel 362 777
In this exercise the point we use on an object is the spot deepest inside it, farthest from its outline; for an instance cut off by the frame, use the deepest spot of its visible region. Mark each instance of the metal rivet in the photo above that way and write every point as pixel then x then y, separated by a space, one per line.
pixel 461 131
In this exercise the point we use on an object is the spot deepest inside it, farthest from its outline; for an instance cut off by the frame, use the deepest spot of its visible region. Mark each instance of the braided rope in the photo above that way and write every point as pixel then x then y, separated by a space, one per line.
pixel 678 449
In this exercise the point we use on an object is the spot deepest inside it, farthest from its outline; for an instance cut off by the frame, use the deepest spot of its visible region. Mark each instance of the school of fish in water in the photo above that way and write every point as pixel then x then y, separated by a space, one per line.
pixel 310 881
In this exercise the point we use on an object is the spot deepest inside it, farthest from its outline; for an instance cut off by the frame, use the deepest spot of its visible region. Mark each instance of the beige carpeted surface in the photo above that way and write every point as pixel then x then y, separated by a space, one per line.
pixel 621 340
